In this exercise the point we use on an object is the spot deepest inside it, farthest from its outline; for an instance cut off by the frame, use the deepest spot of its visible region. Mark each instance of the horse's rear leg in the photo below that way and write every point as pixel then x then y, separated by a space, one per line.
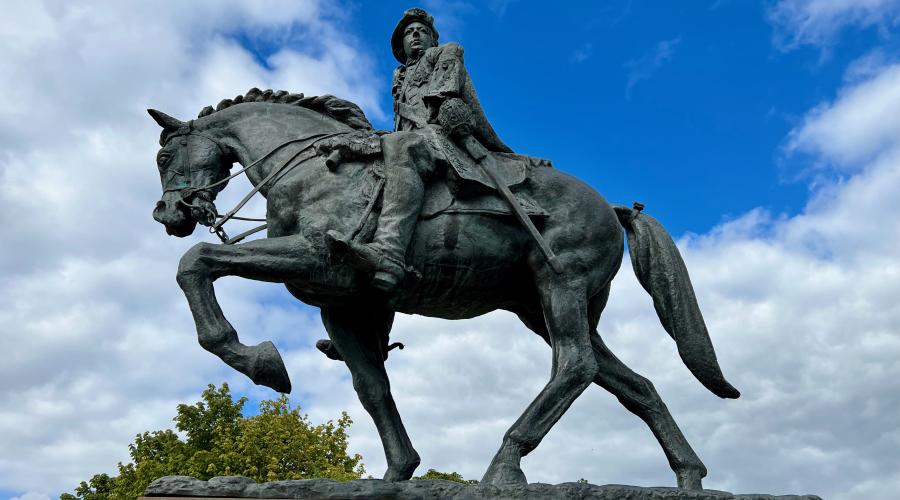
pixel 565 310
pixel 356 333
pixel 275 260
pixel 637 394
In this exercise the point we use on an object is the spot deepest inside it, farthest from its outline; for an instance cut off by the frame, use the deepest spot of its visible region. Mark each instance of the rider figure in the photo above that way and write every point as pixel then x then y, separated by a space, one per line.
pixel 432 95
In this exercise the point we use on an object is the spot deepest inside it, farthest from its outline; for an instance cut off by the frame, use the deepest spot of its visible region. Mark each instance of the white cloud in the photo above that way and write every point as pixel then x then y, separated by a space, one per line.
pixel 643 67
pixel 99 341
pixel 582 53
pixel 868 65
pixel 819 22
pixel 499 7
pixel 859 126
pixel 31 496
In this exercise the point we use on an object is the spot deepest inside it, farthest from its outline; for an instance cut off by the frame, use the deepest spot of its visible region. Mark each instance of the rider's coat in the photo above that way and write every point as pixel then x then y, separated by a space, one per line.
pixel 420 87
pixel 439 74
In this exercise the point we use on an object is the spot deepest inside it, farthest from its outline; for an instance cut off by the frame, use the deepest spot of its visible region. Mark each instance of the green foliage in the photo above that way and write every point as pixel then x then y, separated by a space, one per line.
pixel 99 488
pixel 279 443
pixel 446 476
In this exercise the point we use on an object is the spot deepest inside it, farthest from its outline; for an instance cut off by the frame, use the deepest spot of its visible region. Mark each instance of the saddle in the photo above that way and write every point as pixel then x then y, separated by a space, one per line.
pixel 446 194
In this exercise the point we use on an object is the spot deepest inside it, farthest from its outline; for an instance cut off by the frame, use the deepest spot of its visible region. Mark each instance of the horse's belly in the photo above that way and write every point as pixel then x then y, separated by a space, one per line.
pixel 465 262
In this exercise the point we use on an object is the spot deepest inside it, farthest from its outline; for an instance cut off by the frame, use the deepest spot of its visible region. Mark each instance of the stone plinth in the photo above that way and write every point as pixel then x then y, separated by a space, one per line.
pixel 235 487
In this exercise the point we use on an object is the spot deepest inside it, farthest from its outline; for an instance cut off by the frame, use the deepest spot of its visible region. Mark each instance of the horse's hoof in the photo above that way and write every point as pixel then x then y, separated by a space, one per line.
pixel 690 479
pixel 328 349
pixel 269 370
pixel 504 475
pixel 402 472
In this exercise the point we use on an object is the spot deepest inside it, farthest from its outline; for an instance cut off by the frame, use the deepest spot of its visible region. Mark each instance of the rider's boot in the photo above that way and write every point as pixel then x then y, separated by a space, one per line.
pixel 404 192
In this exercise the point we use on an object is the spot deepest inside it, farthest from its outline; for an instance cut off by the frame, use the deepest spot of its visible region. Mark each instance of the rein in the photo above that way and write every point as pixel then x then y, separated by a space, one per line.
pixel 204 191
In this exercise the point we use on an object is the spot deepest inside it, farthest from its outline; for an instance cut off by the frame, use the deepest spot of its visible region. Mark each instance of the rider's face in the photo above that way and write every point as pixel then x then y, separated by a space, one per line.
pixel 416 38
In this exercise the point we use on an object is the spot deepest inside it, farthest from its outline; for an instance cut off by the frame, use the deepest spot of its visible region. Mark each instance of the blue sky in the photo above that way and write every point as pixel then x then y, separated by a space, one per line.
pixel 764 135
pixel 681 105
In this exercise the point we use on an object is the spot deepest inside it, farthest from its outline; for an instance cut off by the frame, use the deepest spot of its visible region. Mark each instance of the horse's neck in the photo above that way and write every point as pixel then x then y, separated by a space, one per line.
pixel 255 133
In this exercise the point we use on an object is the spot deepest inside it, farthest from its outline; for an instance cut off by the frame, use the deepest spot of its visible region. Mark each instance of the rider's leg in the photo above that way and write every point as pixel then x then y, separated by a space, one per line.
pixel 407 161
pixel 404 191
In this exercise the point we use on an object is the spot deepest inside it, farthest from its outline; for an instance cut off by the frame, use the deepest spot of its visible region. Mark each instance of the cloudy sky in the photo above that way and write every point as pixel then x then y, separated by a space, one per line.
pixel 766 137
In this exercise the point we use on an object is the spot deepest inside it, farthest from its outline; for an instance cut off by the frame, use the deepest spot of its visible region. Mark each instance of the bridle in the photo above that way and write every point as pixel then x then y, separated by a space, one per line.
pixel 187 191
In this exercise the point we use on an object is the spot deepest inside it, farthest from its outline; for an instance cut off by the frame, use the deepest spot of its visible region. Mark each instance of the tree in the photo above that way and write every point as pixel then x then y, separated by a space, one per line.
pixel 446 476
pixel 279 443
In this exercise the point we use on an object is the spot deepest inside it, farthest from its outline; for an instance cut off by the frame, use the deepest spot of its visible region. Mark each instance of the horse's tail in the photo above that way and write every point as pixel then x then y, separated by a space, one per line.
pixel 661 271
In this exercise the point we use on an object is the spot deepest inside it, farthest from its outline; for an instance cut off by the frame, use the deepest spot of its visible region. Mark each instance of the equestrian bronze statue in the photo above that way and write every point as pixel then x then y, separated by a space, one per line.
pixel 437 218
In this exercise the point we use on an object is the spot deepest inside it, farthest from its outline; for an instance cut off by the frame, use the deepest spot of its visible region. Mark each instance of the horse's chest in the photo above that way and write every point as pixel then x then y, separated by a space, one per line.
pixel 315 199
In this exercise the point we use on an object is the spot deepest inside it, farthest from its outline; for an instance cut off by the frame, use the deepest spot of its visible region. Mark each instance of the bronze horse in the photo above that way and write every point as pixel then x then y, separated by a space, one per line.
pixel 467 265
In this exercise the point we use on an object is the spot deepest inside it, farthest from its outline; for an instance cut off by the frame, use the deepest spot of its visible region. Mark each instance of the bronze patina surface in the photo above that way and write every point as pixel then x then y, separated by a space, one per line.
pixel 438 217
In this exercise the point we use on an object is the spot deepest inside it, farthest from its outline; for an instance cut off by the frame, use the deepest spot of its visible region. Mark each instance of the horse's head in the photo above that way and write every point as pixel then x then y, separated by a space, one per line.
pixel 192 166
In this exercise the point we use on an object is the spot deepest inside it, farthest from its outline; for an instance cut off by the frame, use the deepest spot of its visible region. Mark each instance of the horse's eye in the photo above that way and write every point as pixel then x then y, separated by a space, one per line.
pixel 163 158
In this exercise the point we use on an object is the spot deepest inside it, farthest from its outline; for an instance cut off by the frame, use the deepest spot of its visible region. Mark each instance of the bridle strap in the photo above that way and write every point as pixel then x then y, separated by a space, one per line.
pixel 285 167
pixel 258 160
pixel 281 169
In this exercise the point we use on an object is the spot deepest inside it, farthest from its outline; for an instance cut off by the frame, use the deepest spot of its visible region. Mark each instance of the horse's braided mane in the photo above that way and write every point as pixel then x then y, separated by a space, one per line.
pixel 341 110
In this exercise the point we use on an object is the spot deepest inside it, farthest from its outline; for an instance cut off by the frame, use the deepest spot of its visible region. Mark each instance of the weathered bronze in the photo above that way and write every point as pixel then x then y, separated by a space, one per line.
pixel 430 219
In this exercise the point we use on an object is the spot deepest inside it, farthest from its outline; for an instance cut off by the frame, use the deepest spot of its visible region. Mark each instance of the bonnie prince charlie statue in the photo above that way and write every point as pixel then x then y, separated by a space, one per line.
pixel 436 115
pixel 330 243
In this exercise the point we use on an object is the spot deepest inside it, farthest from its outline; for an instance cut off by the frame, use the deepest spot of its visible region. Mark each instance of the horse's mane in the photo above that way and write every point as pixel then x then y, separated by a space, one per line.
pixel 341 110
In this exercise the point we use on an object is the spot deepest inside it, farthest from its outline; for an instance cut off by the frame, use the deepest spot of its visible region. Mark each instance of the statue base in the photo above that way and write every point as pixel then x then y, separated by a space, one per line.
pixel 234 487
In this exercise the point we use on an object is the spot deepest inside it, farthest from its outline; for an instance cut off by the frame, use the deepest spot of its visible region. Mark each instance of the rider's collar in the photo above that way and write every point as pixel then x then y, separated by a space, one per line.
pixel 412 61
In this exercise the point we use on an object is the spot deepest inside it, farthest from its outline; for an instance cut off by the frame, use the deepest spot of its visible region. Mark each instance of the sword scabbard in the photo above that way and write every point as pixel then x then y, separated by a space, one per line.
pixel 479 153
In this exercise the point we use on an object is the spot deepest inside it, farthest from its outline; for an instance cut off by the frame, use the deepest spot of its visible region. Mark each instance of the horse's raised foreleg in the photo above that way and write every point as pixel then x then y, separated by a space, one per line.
pixel 637 394
pixel 357 333
pixel 274 260
pixel 565 310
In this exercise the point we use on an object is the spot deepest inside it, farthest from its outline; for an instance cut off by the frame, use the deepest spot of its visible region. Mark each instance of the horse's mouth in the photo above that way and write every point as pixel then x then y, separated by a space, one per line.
pixel 182 230
pixel 174 217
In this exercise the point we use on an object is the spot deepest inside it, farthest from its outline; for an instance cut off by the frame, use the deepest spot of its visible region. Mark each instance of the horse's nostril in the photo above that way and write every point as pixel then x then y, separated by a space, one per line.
pixel 160 205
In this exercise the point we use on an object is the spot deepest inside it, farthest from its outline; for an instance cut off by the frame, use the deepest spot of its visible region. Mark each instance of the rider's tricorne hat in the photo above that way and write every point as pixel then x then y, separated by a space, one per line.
pixel 411 15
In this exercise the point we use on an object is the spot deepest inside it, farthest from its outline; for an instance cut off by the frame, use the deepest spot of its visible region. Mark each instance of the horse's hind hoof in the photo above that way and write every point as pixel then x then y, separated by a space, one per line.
pixel 402 471
pixel 690 479
pixel 268 368
pixel 504 475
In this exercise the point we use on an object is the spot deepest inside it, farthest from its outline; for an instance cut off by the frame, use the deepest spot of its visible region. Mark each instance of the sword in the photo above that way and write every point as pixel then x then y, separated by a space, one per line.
pixel 479 153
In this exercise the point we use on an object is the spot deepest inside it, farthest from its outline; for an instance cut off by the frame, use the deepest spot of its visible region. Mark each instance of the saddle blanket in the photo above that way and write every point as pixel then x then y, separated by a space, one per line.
pixel 452 195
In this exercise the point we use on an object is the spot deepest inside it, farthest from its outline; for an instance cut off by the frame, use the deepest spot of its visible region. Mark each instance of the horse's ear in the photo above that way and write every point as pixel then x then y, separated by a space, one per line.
pixel 165 121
